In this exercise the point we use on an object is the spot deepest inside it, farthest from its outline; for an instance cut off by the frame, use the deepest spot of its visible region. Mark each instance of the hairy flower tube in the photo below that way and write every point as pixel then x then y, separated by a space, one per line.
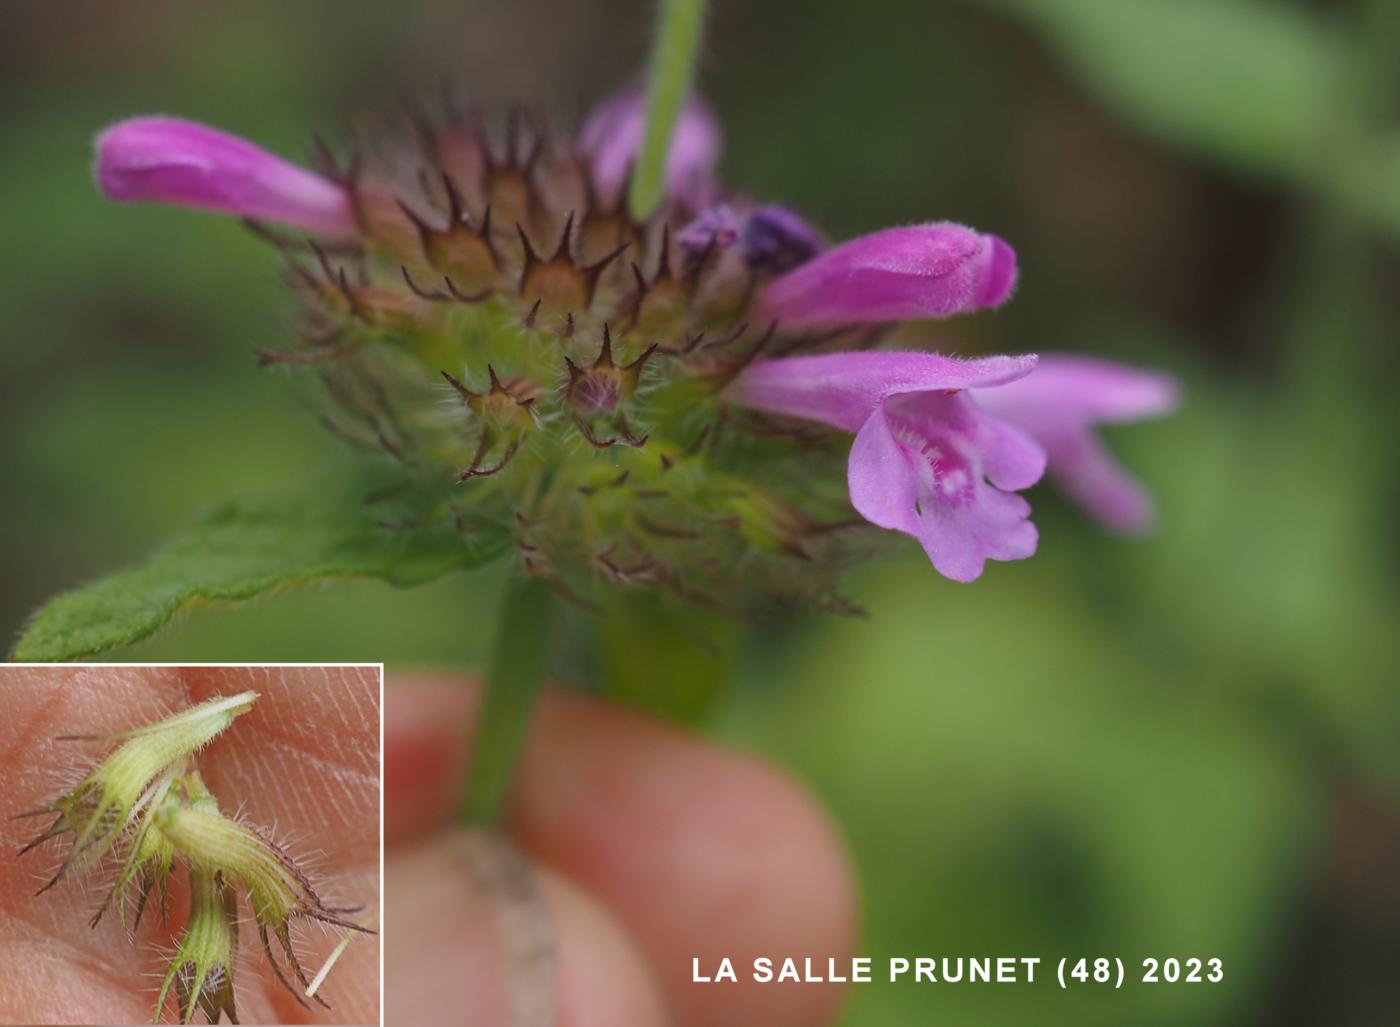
pixel 598 387
pixel 175 161
pixel 933 270
pixel 149 799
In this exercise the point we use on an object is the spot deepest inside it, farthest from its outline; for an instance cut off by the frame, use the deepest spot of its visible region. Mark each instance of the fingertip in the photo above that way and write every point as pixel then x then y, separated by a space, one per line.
pixel 427 721
pixel 703 853
pixel 475 934
pixel 699 852
pixel 602 979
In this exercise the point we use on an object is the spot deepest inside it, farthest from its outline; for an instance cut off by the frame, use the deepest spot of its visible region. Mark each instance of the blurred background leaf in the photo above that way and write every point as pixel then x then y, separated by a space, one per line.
pixel 1049 821
pixel 1252 84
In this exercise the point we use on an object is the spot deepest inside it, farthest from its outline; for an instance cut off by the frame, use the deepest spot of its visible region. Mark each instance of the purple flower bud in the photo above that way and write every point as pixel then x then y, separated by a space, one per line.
pixel 170 160
pixel 717 227
pixel 927 460
pixel 612 137
pixel 1058 406
pixel 770 238
pixel 777 240
pixel 897 274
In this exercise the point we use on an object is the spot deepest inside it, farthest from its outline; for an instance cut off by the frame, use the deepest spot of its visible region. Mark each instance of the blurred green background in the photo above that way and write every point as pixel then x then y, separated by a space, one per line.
pixel 1179 746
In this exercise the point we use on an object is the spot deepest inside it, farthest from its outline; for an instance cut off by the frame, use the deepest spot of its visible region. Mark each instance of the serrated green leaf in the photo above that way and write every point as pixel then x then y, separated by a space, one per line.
pixel 245 548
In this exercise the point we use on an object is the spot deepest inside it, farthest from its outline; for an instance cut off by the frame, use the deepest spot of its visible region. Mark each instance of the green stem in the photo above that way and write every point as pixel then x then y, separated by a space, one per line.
pixel 519 663
pixel 679 26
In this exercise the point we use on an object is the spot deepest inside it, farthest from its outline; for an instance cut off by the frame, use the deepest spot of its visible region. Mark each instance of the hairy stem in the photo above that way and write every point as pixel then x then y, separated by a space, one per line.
pixel 679 27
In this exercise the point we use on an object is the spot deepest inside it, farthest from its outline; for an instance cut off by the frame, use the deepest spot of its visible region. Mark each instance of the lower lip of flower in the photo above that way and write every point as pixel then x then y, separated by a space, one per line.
pixel 944 474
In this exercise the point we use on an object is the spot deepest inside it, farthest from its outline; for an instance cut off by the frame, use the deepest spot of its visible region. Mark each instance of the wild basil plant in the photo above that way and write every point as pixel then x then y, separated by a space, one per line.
pixel 579 351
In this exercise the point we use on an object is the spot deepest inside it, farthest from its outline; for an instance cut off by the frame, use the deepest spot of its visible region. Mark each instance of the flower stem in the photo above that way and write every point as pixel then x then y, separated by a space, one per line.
pixel 679 26
pixel 518 665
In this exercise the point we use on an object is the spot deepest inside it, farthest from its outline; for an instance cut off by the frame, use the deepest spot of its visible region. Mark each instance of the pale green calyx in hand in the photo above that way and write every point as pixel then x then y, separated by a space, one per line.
pixel 148 801
pixel 139 773
pixel 202 969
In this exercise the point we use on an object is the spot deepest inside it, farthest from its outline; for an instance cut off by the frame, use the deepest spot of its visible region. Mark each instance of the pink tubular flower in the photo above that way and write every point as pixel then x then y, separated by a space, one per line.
pixel 170 160
pixel 926 459
pixel 932 270
pixel 612 136
pixel 1058 406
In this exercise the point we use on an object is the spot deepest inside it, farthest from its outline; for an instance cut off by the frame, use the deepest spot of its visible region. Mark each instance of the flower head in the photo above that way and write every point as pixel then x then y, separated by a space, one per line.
pixel 926 460
pixel 933 270
pixel 601 388
pixel 170 160
pixel 1059 405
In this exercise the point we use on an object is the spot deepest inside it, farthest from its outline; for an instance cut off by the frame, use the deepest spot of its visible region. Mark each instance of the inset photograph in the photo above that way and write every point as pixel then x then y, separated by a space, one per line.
pixel 190 844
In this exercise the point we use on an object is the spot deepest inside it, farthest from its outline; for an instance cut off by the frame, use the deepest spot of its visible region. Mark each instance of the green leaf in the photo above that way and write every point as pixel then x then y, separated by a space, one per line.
pixel 323 531
pixel 1252 85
